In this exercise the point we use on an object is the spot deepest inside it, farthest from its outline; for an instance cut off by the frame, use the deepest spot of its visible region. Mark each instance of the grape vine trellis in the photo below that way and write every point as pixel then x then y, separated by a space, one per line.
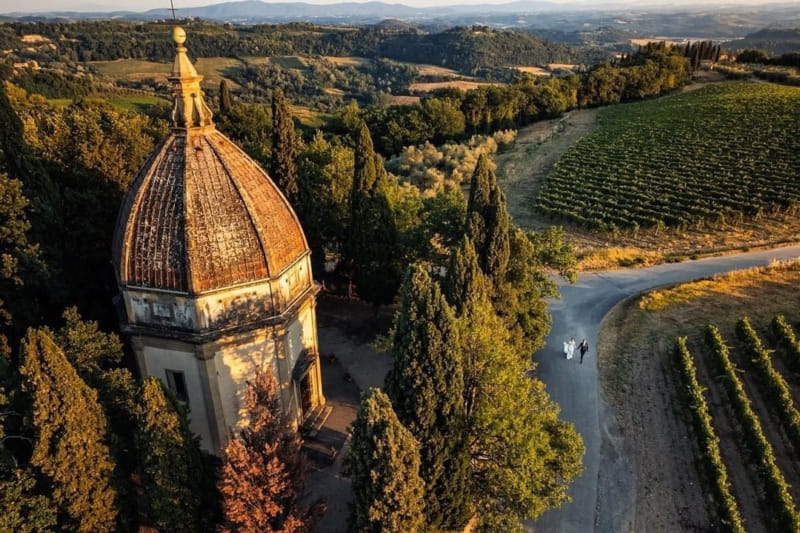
pixel 719 155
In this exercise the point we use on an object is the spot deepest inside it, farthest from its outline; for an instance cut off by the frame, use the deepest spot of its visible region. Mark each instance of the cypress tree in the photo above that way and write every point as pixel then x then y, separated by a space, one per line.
pixel 224 97
pixel 373 242
pixel 488 222
pixel 384 465
pixel 22 510
pixel 465 282
pixel 19 162
pixel 70 433
pixel 96 356
pixel 283 168
pixel 426 387
pixel 495 253
pixel 261 478
pixel 14 249
pixel 481 185
pixel 173 468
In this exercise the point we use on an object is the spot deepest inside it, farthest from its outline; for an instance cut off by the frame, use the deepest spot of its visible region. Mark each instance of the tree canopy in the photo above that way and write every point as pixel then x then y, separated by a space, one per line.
pixel 425 384
pixel 384 464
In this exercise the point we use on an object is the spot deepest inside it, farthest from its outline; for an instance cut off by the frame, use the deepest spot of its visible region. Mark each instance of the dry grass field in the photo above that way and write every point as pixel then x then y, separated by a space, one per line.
pixel 458 84
pixel 309 117
pixel 346 61
pixel 404 100
pixel 561 66
pixel 290 62
pixel 433 70
pixel 536 71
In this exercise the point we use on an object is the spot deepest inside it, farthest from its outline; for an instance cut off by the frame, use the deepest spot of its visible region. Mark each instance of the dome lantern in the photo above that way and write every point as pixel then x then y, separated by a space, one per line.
pixel 189 109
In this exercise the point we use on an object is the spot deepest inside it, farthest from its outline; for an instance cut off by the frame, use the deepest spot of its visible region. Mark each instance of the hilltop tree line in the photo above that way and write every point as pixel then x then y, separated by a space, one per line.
pixel 463 49
pixel 789 59
pixel 452 113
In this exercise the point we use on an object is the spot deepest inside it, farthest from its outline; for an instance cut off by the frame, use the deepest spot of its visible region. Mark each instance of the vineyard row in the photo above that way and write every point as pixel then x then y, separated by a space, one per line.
pixel 707 438
pixel 777 490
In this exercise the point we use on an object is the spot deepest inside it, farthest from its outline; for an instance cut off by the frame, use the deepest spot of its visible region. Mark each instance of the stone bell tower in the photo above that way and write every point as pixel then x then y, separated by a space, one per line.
pixel 214 272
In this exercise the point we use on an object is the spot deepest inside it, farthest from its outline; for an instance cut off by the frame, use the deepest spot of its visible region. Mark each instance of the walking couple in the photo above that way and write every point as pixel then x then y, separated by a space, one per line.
pixel 569 348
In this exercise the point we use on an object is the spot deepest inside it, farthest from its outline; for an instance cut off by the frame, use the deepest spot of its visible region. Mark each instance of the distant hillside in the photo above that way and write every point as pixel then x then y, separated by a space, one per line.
pixel 774 41
pixel 603 36
pixel 646 18
pixel 254 11
pixel 463 49
pixel 469 49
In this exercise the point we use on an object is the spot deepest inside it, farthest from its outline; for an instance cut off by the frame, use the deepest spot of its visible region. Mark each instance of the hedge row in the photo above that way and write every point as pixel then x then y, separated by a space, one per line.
pixel 778 390
pixel 777 490
pixel 785 338
pixel 709 442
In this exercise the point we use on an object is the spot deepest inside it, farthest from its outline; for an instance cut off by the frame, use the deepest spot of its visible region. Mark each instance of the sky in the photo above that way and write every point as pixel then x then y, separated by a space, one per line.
pixel 32 6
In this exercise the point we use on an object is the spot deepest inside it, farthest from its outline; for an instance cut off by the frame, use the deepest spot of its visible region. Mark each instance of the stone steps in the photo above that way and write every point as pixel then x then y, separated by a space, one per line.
pixel 314 422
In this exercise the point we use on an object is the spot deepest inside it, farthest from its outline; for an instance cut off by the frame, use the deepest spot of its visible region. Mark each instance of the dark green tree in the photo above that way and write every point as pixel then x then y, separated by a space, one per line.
pixel 495 251
pixel 18 161
pixel 15 251
pixel 224 97
pixel 325 180
pixel 283 166
pixel 426 387
pixel 22 510
pixel 174 471
pixel 488 222
pixel 70 433
pixel 96 356
pixel 481 185
pixel 373 249
pixel 250 125
pixel 465 282
pixel 384 467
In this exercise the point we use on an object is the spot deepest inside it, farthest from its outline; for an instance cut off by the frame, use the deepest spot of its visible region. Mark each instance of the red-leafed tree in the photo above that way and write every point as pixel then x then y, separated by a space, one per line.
pixel 262 473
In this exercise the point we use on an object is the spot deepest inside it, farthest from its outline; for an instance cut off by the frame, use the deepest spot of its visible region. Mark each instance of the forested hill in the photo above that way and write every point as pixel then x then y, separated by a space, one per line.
pixel 468 49
pixel 463 49
pixel 774 41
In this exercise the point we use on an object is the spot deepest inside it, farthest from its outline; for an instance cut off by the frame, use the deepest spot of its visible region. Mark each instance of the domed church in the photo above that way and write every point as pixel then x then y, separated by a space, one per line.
pixel 214 273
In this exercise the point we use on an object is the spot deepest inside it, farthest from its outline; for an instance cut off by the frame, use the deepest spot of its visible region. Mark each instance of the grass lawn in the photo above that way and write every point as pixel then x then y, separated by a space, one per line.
pixel 135 102
pixel 346 61
pixel 309 117
pixel 293 62
pixel 213 69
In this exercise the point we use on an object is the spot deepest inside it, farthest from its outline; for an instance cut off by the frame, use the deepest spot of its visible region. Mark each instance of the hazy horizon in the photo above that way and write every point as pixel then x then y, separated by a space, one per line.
pixel 38 6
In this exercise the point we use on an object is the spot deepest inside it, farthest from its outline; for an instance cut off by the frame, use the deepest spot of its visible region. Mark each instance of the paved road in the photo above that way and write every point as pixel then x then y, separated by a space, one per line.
pixel 603 495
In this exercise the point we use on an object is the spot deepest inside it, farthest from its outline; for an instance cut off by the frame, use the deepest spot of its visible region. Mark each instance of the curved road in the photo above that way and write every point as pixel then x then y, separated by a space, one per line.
pixel 603 496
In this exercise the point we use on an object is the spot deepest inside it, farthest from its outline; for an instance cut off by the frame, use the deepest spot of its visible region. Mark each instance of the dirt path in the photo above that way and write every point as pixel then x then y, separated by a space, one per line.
pixel 521 171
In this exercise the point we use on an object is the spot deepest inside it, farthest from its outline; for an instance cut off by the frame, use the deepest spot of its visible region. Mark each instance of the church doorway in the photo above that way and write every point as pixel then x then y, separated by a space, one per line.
pixel 306 394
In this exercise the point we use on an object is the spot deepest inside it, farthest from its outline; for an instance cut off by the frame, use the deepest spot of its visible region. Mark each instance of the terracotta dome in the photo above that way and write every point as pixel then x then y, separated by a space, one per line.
pixel 201 215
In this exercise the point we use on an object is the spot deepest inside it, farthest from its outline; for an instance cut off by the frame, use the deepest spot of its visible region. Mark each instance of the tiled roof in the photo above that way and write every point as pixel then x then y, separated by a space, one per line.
pixel 201 215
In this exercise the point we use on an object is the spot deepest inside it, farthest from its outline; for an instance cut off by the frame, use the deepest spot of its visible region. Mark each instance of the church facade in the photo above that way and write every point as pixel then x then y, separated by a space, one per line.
pixel 214 273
